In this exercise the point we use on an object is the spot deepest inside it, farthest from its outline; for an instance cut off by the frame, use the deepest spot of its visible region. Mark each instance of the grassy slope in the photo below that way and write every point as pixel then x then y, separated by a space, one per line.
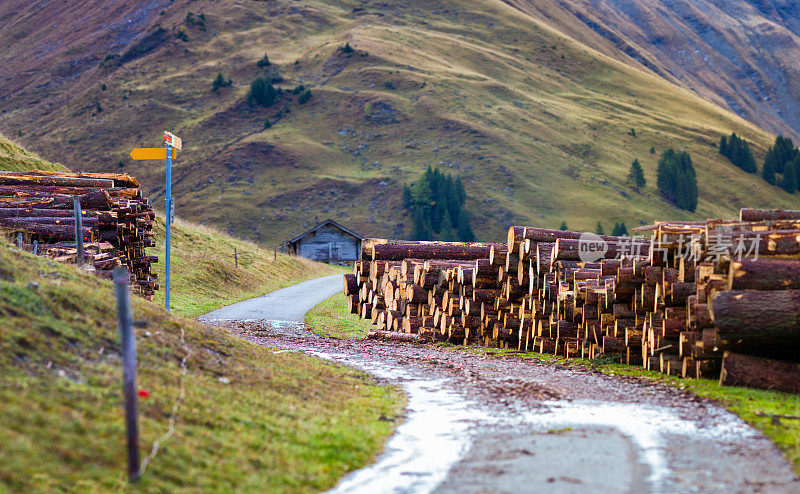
pixel 15 158
pixel 331 318
pixel 284 422
pixel 534 121
pixel 204 274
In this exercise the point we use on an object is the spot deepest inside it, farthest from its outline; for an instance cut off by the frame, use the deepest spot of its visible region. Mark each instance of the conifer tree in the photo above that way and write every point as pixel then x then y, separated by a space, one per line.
pixel 599 229
pixel 676 179
pixel 768 171
pixel 563 226
pixel 435 202
pixel 636 176
pixel 789 179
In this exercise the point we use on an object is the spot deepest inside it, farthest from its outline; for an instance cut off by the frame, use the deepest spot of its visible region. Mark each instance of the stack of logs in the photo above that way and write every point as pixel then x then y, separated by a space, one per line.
pixel 711 299
pixel 117 220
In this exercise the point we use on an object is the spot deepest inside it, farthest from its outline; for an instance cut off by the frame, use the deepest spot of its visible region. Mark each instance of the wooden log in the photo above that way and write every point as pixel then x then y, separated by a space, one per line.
pixel 441 250
pixel 751 214
pixel 397 336
pixel 571 249
pixel 757 318
pixel 350 284
pixel 758 372
pixel 764 274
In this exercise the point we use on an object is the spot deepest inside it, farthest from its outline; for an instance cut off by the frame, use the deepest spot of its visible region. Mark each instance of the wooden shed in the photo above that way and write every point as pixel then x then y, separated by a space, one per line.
pixel 327 242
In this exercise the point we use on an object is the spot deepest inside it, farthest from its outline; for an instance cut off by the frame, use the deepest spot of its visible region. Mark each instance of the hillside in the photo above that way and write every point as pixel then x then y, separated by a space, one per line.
pixel 736 53
pixel 250 418
pixel 536 122
pixel 14 157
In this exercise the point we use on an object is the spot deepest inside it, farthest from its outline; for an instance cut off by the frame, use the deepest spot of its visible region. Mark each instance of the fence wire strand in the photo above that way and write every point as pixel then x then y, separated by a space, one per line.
pixel 175 407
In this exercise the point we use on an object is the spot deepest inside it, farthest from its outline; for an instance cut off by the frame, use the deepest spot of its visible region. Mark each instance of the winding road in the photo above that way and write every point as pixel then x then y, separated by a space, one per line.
pixel 477 422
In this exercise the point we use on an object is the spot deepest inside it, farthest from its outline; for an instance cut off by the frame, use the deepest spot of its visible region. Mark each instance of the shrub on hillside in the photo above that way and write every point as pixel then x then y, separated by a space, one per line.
pixel 304 96
pixel 676 179
pixel 264 62
pixel 220 82
pixel 262 92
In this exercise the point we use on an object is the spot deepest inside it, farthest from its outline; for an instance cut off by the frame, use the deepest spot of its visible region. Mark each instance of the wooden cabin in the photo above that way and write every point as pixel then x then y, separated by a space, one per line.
pixel 327 242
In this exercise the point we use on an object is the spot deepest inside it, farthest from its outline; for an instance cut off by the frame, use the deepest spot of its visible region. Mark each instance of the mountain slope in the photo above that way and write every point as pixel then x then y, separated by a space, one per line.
pixel 738 54
pixel 13 157
pixel 536 122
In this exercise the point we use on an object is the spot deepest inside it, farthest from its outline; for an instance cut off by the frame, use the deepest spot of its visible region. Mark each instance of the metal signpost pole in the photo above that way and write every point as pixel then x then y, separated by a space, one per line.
pixel 169 221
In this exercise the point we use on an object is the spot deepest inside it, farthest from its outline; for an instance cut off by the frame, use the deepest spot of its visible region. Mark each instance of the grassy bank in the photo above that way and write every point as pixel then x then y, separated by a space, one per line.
pixel 764 410
pixel 251 419
pixel 330 318
pixel 15 158
pixel 204 272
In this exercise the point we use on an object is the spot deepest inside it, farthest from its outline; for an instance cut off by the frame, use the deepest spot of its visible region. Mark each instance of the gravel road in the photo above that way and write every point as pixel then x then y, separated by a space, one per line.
pixel 476 422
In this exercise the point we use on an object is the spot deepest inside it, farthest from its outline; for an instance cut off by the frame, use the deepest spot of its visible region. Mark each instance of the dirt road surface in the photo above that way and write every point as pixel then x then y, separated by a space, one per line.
pixel 482 423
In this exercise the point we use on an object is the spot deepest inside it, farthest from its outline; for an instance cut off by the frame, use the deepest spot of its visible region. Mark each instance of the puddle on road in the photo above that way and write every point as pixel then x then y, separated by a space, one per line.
pixel 648 427
pixel 432 438
pixel 439 423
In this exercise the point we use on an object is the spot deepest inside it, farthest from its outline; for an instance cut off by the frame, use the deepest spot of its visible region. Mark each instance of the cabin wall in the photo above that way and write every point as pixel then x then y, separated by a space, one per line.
pixel 328 244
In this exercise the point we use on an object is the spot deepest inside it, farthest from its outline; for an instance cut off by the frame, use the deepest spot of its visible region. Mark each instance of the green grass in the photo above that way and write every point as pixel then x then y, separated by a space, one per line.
pixel 204 273
pixel 15 158
pixel 276 422
pixel 330 318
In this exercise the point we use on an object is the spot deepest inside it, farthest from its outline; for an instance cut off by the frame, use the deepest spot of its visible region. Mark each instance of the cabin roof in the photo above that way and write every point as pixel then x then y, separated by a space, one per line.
pixel 326 222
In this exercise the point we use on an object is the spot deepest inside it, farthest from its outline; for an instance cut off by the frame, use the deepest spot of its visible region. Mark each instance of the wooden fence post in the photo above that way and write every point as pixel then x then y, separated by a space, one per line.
pixel 236 257
pixel 19 240
pixel 35 247
pixel 76 203
pixel 276 252
pixel 128 340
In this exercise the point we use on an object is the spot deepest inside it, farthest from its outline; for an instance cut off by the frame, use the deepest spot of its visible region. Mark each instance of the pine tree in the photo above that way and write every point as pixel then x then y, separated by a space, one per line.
pixel 620 230
pixel 599 229
pixel 563 226
pixel 789 180
pixel 737 150
pixel 436 204
pixel 779 154
pixel 636 176
pixel 768 172
pixel 676 179
pixel 465 233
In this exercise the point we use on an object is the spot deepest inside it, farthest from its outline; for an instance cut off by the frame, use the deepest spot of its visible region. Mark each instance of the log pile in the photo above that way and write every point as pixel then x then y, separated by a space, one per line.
pixel 117 220
pixel 703 299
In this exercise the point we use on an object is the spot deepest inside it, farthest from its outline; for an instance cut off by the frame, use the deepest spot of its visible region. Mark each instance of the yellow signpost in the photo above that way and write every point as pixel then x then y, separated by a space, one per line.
pixel 152 153
pixel 169 152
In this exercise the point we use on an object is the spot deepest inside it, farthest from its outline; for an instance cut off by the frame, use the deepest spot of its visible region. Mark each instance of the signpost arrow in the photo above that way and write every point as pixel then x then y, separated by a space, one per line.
pixel 169 152
pixel 152 154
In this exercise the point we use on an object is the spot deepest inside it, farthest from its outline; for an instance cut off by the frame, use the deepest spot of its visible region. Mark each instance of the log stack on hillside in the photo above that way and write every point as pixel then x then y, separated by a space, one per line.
pixel 117 220
pixel 713 299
